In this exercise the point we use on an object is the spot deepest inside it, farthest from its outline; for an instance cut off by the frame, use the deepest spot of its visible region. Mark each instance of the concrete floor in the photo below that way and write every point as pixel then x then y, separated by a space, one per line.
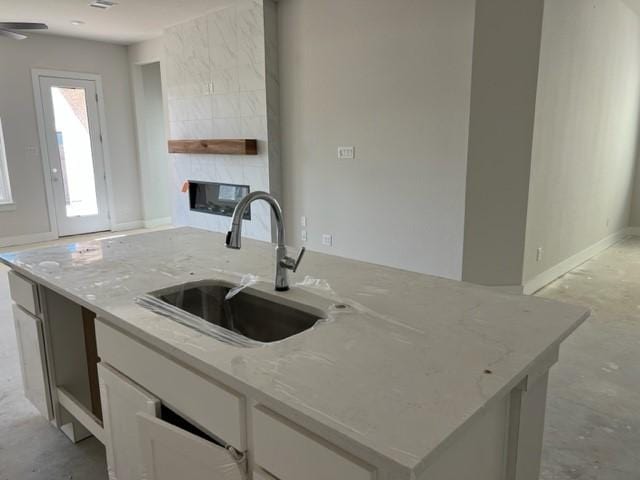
pixel 593 410
pixel 593 424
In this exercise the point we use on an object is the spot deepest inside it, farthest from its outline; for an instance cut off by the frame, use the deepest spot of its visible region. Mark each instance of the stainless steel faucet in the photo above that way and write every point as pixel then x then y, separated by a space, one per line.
pixel 283 262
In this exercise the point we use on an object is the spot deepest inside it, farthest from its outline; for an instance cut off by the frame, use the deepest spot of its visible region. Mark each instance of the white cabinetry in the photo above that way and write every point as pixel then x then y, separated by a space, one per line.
pixel 121 401
pixel 33 360
pixel 158 416
pixel 292 453
pixel 170 453
pixel 140 443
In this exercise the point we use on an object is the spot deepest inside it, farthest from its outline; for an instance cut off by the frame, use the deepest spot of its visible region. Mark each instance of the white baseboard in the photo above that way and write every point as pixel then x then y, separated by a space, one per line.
pixel 157 222
pixel 543 279
pixel 120 227
pixel 635 231
pixel 27 239
pixel 510 289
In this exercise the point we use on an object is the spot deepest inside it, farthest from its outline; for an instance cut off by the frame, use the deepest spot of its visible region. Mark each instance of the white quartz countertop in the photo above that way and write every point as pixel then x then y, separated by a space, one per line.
pixel 393 378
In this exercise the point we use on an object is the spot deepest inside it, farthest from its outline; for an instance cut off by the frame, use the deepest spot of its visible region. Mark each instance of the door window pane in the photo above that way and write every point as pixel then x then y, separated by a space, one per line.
pixel 74 145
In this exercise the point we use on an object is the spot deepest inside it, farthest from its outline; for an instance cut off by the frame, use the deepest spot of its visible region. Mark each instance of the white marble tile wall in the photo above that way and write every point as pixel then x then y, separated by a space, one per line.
pixel 217 88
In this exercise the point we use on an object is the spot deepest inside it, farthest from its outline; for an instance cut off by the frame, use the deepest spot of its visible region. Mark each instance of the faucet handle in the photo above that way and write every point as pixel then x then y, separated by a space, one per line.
pixel 293 263
pixel 299 258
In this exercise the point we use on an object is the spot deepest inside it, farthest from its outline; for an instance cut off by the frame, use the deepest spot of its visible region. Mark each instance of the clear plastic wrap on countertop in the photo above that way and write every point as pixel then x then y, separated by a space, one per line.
pixel 216 308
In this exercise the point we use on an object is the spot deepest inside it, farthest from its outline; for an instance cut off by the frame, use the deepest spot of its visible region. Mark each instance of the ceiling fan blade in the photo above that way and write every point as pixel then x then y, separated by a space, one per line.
pixel 10 34
pixel 23 26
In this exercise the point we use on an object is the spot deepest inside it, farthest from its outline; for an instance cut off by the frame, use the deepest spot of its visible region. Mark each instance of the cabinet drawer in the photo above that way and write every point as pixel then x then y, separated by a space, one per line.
pixel 212 407
pixel 293 454
pixel 24 292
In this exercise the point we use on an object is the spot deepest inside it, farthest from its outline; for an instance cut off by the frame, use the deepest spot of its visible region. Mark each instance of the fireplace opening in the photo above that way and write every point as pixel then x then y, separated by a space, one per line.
pixel 217 198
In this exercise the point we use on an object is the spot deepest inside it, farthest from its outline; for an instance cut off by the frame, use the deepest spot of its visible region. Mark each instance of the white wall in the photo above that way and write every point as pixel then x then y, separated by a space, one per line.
pixel 146 64
pixel 154 165
pixel 21 134
pixel 393 79
pixel 586 129
pixel 503 101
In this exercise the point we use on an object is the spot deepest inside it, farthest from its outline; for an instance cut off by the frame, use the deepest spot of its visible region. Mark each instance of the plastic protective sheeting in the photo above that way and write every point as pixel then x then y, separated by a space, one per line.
pixel 191 303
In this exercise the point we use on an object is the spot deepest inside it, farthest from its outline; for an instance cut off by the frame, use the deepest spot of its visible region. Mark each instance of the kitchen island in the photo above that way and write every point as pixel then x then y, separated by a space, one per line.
pixel 407 376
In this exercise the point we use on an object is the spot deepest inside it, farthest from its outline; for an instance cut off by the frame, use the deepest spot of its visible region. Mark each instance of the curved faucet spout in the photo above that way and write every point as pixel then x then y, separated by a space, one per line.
pixel 283 262
pixel 235 234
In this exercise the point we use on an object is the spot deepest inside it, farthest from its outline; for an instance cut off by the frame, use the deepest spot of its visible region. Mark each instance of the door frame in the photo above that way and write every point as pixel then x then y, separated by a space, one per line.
pixel 36 73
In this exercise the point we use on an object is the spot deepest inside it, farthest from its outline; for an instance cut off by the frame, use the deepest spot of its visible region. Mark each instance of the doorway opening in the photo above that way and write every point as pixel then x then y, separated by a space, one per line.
pixel 152 144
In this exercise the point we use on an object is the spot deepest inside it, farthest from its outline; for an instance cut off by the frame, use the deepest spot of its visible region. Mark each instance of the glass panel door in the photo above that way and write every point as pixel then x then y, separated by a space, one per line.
pixel 75 155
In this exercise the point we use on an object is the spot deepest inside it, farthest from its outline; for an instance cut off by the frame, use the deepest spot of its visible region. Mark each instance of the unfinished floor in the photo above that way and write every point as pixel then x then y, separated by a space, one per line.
pixel 593 425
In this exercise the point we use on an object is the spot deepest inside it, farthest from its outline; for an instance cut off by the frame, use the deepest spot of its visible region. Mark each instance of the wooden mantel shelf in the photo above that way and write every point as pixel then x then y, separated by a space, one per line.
pixel 216 147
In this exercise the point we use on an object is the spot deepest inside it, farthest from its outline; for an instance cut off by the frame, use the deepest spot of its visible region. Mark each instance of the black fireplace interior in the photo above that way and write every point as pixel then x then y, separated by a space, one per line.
pixel 217 198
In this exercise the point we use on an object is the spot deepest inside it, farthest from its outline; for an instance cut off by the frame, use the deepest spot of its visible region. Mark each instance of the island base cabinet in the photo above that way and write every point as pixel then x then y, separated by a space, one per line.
pixel 146 440
pixel 30 336
pixel 121 401
pixel 170 453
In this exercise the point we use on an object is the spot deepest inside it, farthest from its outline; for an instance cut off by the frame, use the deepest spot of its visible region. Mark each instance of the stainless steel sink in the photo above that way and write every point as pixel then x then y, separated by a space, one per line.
pixel 249 313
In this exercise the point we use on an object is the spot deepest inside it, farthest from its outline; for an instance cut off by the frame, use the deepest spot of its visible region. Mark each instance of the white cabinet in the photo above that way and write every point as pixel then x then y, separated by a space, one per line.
pixel 24 292
pixel 33 364
pixel 121 401
pixel 170 453
pixel 291 453
pixel 142 443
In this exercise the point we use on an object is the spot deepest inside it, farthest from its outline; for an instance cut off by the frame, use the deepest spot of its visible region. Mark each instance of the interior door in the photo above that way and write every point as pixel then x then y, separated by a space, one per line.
pixel 170 453
pixel 74 150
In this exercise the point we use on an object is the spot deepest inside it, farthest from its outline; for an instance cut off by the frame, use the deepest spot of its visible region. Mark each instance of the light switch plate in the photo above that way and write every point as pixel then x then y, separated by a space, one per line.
pixel 303 236
pixel 346 153
pixel 327 240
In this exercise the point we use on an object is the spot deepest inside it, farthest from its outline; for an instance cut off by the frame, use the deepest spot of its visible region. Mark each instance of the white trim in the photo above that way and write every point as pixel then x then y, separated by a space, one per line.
pixel 5 180
pixel 157 222
pixel 81 414
pixel 36 73
pixel 27 239
pixel 510 289
pixel 635 231
pixel 7 207
pixel 543 279
pixel 120 227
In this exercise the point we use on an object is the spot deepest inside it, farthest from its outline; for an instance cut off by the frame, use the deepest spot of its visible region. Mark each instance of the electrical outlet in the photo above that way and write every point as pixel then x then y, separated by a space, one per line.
pixel 539 254
pixel 303 236
pixel 327 240
pixel 346 153
pixel 303 221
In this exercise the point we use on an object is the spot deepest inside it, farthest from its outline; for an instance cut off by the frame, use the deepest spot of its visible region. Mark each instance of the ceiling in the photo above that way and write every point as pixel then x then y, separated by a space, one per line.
pixel 128 22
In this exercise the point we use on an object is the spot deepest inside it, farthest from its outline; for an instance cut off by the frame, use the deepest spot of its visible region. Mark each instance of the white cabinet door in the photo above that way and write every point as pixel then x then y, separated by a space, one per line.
pixel 121 401
pixel 170 453
pixel 33 362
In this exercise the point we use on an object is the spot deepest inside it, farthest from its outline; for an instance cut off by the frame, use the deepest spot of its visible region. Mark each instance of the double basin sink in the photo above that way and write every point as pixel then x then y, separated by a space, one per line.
pixel 250 313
